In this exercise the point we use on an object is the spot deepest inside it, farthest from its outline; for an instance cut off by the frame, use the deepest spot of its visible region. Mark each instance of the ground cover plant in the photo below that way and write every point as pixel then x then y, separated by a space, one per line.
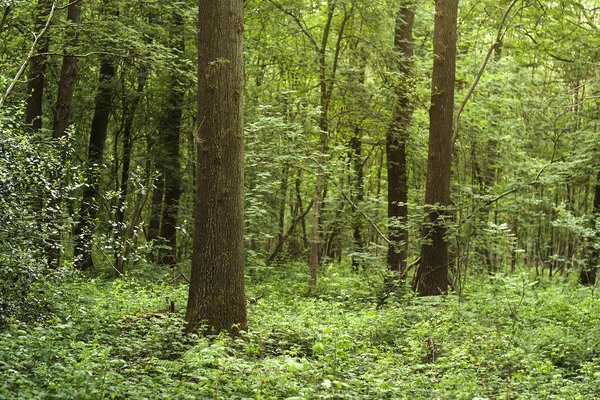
pixel 283 199
pixel 509 337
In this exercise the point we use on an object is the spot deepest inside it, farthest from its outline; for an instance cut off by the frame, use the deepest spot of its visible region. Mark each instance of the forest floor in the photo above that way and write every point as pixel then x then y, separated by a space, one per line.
pixel 507 337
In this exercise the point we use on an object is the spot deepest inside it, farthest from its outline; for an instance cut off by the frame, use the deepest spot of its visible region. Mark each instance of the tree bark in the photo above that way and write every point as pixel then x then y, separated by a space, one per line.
pixel 89 203
pixel 432 275
pixel 216 296
pixel 37 70
pixel 396 139
pixel 68 76
pixel 170 128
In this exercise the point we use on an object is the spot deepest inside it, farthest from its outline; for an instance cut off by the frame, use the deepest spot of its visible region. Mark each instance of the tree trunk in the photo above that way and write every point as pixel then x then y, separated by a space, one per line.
pixel 216 295
pixel 37 70
pixel 68 76
pixel 359 195
pixel 158 194
pixel 587 276
pixel 396 139
pixel 432 275
pixel 89 203
pixel 170 128
pixel 123 190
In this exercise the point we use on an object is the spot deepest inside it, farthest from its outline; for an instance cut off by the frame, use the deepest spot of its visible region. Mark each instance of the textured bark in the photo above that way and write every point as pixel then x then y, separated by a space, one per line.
pixel 432 275
pixel 216 295
pixel 66 85
pixel 89 203
pixel 396 139
pixel 587 275
pixel 68 76
pixel 37 70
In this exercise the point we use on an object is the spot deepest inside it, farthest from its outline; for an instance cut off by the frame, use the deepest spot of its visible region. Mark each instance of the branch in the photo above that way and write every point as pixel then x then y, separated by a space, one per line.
pixel 299 22
pixel 493 46
pixel 85 55
pixel 489 202
pixel 355 207
pixel 29 56
pixel 4 16
pixel 289 232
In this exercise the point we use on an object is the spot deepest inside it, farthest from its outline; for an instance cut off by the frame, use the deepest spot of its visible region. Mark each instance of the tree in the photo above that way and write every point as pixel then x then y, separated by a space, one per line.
pixel 216 294
pixel 68 75
pixel 396 139
pixel 89 204
pixel 587 275
pixel 432 275
pixel 37 69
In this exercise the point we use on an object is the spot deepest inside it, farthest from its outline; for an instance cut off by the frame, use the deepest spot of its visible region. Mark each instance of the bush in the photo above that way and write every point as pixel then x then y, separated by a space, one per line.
pixel 31 188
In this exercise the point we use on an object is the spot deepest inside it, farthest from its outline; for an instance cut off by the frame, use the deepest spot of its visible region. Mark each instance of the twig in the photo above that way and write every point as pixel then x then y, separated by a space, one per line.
pixel 29 56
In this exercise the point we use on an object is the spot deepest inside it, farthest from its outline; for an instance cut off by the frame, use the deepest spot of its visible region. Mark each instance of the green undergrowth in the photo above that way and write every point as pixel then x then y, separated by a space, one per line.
pixel 505 337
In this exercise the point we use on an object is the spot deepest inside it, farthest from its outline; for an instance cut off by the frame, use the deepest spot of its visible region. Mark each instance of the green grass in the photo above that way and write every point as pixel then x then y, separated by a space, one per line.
pixel 505 338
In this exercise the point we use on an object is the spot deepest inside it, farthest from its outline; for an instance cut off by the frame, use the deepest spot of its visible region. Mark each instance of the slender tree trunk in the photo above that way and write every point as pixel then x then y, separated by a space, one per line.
pixel 66 84
pixel 359 195
pixel 89 203
pixel 432 275
pixel 587 276
pixel 396 139
pixel 158 193
pixel 37 70
pixel 216 294
pixel 324 128
pixel 299 202
pixel 123 190
pixel 283 193
pixel 68 76
pixel 5 14
pixel 170 130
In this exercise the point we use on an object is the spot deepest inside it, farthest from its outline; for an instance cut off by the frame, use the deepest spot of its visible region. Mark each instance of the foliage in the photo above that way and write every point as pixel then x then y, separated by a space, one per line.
pixel 511 337
pixel 30 220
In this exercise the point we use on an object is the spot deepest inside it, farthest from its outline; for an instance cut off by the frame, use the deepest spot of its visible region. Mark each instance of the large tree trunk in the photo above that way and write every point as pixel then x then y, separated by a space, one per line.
pixel 89 203
pixel 216 294
pixel 68 76
pixel 37 70
pixel 397 137
pixel 432 275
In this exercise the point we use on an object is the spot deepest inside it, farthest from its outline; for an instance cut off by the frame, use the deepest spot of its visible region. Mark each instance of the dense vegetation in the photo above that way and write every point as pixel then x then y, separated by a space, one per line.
pixel 376 199
pixel 511 337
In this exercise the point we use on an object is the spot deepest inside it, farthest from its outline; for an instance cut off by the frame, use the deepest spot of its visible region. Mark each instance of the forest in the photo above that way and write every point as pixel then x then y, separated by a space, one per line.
pixel 299 199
